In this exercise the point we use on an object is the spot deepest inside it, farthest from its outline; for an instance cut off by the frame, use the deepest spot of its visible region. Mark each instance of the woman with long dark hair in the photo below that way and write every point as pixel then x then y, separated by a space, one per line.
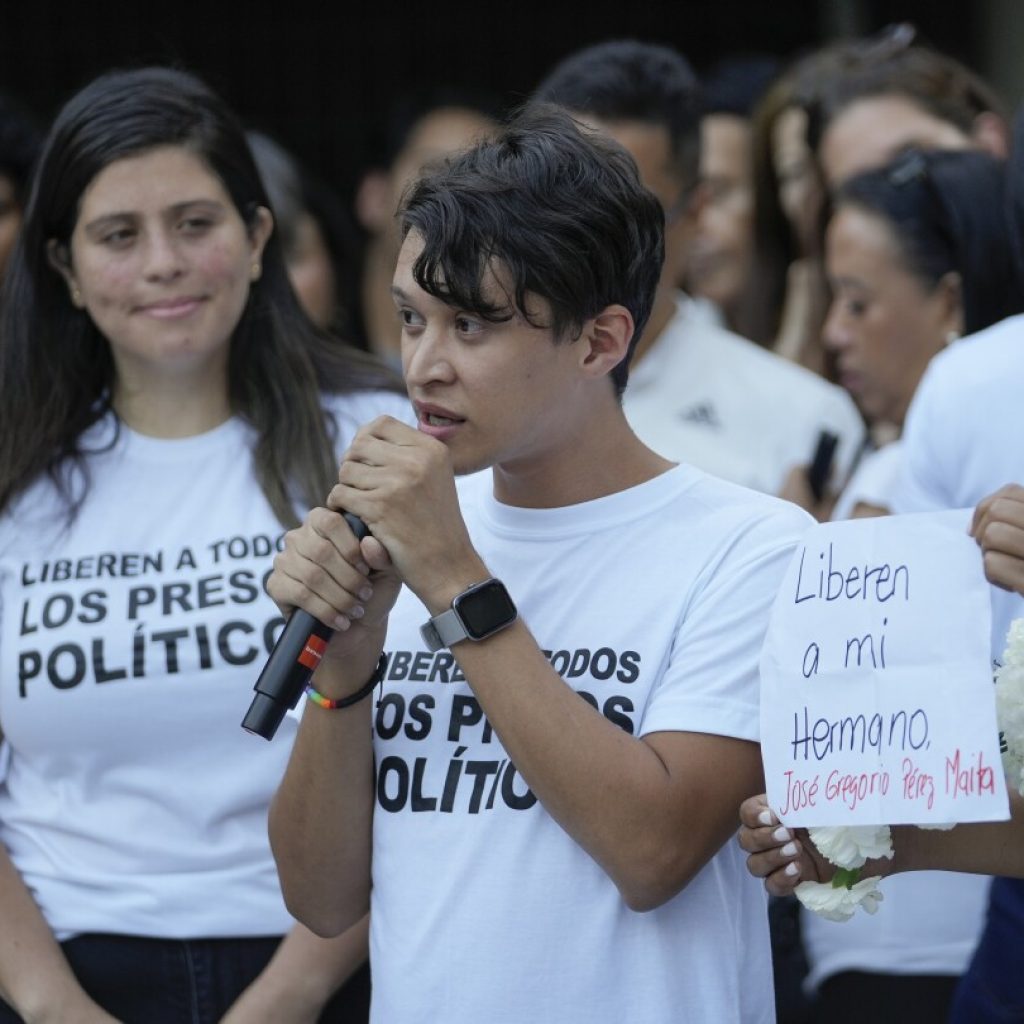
pixel 166 412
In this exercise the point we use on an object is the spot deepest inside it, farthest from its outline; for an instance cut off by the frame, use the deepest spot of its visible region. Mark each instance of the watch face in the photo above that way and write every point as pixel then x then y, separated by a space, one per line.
pixel 485 609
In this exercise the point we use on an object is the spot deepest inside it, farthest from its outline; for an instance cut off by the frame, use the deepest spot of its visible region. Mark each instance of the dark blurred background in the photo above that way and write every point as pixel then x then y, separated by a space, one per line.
pixel 320 77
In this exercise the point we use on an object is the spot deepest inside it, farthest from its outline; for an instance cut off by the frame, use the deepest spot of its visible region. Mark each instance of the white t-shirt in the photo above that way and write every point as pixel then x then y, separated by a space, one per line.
pixel 133 802
pixel 653 602
pixel 930 921
pixel 964 436
pixel 872 481
pixel 705 396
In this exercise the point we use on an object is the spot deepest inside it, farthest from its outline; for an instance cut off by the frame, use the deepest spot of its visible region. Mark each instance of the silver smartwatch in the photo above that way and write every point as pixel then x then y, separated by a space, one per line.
pixel 475 614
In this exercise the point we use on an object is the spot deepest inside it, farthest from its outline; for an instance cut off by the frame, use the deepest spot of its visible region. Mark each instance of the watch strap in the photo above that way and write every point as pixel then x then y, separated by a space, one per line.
pixel 443 630
pixel 478 612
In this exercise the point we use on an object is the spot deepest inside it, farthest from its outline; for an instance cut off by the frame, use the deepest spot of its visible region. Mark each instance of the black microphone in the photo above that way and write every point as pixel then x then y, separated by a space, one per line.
pixel 292 661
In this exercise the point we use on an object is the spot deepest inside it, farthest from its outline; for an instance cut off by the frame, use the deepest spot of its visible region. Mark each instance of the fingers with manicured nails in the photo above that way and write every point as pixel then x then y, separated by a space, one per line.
pixel 754 812
pixel 784 880
pixel 776 853
pixel 770 847
pixel 778 857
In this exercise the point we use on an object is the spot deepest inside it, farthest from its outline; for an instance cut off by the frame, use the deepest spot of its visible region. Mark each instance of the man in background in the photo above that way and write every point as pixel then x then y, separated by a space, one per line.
pixel 697 393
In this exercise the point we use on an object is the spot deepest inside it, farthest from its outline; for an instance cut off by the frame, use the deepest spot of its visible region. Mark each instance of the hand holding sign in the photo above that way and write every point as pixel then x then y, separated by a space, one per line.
pixel 877 705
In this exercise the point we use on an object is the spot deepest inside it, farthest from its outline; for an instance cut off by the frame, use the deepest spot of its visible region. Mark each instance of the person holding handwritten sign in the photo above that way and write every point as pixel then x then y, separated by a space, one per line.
pixel 785 857
pixel 961 449
pixel 902 254
pixel 959 452
pixel 167 411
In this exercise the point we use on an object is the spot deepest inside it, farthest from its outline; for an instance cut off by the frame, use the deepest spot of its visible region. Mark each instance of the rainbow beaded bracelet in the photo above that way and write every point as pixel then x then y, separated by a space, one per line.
pixel 353 698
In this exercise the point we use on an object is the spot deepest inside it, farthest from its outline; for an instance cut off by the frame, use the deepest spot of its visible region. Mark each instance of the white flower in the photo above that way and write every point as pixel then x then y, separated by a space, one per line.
pixel 1010 704
pixel 849 846
pixel 1015 644
pixel 839 903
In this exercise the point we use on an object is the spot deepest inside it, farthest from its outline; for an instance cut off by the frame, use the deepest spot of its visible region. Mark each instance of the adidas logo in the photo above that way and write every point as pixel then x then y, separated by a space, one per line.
pixel 703 415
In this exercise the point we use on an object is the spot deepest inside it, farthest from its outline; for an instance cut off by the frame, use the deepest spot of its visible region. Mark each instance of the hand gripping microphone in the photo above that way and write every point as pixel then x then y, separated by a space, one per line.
pixel 292 661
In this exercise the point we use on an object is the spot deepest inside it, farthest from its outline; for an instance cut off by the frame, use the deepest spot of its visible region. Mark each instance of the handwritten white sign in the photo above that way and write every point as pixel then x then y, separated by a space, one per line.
pixel 877 701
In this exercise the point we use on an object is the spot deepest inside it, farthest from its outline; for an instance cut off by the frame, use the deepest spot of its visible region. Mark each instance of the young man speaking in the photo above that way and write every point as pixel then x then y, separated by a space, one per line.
pixel 569 708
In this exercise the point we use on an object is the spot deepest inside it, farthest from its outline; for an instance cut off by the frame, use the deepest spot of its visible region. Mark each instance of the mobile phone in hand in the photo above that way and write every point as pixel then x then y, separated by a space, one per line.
pixel 821 464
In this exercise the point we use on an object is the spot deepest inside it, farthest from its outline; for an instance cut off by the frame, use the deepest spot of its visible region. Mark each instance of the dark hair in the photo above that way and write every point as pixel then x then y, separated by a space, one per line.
pixel 1015 191
pixel 560 208
pixel 625 80
pixel 892 63
pixel 776 245
pixel 947 213
pixel 295 191
pixel 735 84
pixel 392 132
pixel 20 142
pixel 56 368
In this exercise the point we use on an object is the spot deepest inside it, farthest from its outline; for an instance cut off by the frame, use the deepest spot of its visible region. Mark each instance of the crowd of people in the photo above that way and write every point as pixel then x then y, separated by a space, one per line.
pixel 586 371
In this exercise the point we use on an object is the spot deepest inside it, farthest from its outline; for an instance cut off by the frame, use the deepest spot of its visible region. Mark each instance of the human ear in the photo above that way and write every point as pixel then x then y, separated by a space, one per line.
pixel 607 337
pixel 949 294
pixel 374 205
pixel 260 229
pixel 59 258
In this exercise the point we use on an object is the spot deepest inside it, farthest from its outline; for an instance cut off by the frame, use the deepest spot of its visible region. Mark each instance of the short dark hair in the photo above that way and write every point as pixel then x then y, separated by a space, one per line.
pixel 560 207
pixel 947 212
pixel 626 80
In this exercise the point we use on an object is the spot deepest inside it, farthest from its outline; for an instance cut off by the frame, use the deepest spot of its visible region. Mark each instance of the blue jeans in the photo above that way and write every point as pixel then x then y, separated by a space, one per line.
pixel 162 981
pixel 992 990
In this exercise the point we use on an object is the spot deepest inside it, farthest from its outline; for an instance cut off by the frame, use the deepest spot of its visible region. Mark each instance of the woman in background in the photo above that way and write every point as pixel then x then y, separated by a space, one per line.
pixel 318 242
pixel 167 412
pixel 788 288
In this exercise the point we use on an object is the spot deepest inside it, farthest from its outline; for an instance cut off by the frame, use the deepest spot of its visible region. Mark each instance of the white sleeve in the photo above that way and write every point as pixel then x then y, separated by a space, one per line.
pixel 928 446
pixel 873 481
pixel 712 681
